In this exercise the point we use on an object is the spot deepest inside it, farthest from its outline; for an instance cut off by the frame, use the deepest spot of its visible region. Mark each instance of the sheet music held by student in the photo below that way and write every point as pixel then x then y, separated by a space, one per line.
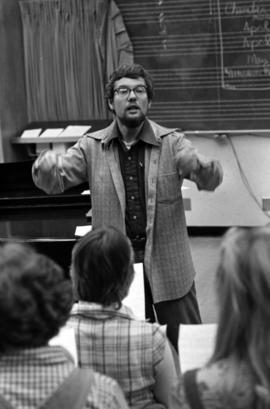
pixel 195 344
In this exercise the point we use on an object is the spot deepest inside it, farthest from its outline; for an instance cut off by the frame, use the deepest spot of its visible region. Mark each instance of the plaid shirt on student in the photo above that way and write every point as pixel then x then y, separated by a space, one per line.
pixel 30 376
pixel 115 343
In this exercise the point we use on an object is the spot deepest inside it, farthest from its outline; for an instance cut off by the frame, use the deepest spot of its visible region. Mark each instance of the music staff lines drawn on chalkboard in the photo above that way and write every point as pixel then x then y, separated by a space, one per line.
pixel 186 78
pixel 187 71
pixel 262 104
pixel 174 11
pixel 228 111
pixel 209 59
pixel 192 49
pixel 183 6
pixel 233 40
pixel 176 45
pixel 173 18
pixel 175 39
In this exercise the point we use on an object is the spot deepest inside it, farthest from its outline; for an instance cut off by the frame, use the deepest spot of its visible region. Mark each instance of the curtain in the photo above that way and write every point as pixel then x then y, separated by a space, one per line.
pixel 70 49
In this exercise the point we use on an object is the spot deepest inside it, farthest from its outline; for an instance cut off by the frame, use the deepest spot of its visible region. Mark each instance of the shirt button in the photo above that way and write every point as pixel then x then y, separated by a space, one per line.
pixel 132 197
pixel 131 178
pixel 134 217
pixel 129 157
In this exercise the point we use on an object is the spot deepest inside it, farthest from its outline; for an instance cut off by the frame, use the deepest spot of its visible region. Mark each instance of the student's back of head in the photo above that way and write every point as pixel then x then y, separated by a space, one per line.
pixel 35 302
pixel 243 290
pixel 238 374
pixel 35 297
pixel 102 267
pixel 108 336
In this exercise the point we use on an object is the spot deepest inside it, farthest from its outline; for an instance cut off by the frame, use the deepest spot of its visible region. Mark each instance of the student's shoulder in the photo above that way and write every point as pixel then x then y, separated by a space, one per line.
pixel 218 378
pixel 152 333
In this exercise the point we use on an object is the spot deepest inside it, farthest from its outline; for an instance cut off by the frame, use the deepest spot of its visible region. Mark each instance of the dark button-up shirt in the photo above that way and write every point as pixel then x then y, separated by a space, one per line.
pixel 132 170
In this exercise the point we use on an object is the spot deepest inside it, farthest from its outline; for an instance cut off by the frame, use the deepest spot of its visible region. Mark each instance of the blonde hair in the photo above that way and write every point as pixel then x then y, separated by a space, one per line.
pixel 243 289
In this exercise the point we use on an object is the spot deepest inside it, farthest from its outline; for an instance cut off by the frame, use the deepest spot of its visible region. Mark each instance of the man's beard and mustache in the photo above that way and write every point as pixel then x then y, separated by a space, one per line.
pixel 130 122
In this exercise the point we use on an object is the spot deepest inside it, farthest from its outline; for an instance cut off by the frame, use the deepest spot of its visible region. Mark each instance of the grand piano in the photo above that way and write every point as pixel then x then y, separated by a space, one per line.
pixel 28 214
pixel 47 222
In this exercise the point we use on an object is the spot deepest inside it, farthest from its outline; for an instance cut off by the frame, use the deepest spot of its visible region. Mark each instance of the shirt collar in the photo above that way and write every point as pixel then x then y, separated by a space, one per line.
pixel 147 134
pixel 46 355
pixel 84 306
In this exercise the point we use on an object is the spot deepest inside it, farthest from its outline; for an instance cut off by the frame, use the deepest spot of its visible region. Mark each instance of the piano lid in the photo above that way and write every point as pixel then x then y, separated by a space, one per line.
pixel 20 198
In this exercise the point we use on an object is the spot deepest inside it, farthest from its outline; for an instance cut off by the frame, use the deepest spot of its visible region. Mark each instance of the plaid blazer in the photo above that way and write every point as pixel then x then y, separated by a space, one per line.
pixel 94 158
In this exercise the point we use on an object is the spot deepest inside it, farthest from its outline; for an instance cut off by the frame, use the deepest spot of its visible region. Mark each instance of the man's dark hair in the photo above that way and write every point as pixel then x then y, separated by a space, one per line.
pixel 129 71
pixel 102 268
pixel 35 297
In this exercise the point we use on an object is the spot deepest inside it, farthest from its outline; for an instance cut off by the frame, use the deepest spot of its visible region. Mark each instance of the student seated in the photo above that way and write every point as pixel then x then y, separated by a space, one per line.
pixel 238 374
pixel 109 338
pixel 35 301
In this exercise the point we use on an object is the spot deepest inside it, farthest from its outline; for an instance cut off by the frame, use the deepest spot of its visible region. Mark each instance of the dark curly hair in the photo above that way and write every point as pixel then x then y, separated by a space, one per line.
pixel 129 71
pixel 102 266
pixel 35 297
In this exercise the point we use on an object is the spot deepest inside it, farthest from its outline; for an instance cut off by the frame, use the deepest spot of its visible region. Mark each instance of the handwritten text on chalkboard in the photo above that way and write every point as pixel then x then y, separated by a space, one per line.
pixel 244 32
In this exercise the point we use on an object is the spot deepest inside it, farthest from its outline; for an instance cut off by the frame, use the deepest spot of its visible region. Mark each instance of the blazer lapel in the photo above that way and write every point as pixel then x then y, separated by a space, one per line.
pixel 111 154
pixel 151 169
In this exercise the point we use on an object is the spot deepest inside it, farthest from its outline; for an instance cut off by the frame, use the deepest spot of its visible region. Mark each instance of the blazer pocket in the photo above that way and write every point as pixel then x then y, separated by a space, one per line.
pixel 169 188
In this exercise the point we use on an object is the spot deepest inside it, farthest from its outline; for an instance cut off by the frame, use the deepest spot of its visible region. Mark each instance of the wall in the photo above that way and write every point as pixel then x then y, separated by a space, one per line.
pixel 233 203
pixel 13 114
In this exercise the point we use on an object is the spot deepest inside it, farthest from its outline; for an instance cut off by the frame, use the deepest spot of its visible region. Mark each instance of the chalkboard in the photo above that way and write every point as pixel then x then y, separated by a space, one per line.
pixel 210 60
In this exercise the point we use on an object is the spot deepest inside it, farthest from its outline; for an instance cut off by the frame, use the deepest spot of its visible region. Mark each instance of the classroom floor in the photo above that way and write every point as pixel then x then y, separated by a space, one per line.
pixel 205 253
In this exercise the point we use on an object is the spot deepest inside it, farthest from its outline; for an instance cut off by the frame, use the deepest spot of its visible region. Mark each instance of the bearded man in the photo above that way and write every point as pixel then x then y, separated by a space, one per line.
pixel 135 169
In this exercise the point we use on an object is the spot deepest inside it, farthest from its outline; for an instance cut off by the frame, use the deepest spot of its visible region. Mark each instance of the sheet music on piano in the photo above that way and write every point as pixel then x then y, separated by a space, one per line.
pixel 75 130
pixel 31 133
pixel 69 132
pixel 50 132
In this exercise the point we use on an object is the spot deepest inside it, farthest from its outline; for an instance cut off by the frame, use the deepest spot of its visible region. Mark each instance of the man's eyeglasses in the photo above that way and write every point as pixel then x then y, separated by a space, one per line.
pixel 124 92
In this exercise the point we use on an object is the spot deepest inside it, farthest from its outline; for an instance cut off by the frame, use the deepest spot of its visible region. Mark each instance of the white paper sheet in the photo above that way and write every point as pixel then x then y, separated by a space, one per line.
pixel 135 298
pixel 75 130
pixel 31 133
pixel 195 345
pixel 81 231
pixel 50 132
